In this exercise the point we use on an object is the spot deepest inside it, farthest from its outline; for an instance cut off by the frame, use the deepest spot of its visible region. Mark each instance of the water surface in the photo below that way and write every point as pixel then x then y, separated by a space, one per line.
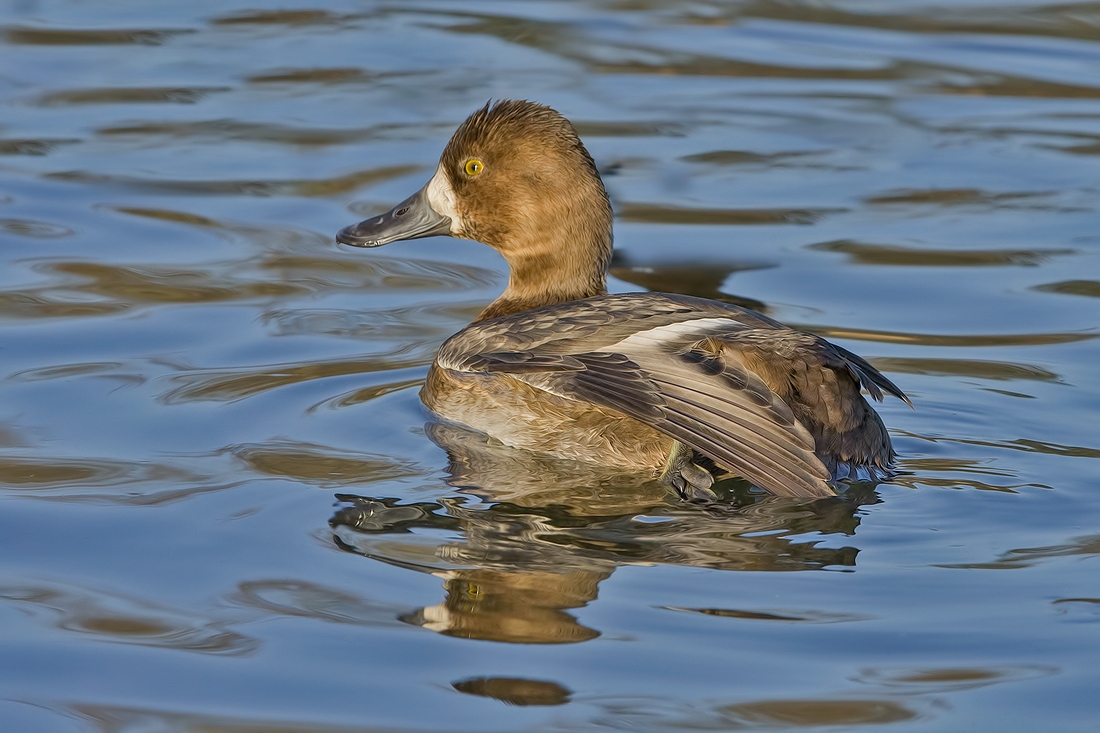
pixel 224 508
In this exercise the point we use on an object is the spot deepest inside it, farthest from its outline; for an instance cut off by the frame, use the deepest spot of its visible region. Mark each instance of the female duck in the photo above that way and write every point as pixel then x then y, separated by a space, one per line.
pixel 644 380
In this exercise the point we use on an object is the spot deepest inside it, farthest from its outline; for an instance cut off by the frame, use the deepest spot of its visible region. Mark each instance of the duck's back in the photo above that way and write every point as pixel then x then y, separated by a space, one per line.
pixel 618 379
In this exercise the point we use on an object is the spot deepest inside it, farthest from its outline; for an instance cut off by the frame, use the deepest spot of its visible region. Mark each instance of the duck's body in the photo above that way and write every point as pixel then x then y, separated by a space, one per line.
pixel 643 380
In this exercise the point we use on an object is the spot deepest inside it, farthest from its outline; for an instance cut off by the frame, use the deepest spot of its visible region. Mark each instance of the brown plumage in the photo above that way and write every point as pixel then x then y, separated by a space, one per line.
pixel 643 380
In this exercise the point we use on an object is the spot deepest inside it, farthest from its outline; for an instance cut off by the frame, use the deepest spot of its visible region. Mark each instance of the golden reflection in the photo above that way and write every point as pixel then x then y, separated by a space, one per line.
pixel 1088 288
pixel 547 532
pixel 230 385
pixel 126 620
pixel 34 229
pixel 270 132
pixel 817 713
pixel 320 465
pixel 129 95
pixel 887 254
pixel 1087 149
pixel 631 129
pixel 942 680
pixel 939 339
pixel 33 146
pixel 365 394
pixel 100 481
pixel 118 719
pixel 165 285
pixel 664 214
pixel 701 279
pixel 998 85
pixel 515 691
pixel 51 473
pixel 809 616
pixel 222 187
pixel 1066 20
pixel 280 17
pixel 519 607
pixel 88 37
pixel 949 197
pixel 745 157
pixel 974 368
pixel 340 75
pixel 81 289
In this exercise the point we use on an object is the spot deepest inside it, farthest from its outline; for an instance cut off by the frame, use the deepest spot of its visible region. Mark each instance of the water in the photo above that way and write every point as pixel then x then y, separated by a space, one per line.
pixel 224 508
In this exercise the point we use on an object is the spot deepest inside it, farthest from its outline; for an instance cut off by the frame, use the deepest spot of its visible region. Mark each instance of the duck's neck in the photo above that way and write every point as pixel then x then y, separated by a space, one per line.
pixel 557 268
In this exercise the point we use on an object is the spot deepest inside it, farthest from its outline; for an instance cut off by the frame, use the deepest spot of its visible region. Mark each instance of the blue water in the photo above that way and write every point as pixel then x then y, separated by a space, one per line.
pixel 224 508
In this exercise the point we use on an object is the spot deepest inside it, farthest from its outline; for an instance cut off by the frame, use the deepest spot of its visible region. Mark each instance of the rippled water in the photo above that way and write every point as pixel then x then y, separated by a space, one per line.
pixel 224 509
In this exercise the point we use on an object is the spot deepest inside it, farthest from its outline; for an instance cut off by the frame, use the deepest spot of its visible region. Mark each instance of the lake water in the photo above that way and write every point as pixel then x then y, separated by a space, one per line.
pixel 224 508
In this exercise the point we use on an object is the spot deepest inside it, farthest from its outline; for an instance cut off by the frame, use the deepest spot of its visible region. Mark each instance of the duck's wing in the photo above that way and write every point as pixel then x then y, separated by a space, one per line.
pixel 668 362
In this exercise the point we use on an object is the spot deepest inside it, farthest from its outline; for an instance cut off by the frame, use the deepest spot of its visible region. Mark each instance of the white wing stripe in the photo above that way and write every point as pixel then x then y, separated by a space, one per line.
pixel 664 334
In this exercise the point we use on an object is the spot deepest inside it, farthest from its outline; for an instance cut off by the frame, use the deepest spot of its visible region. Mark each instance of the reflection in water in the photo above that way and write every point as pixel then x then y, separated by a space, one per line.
pixel 1078 609
pixel 745 157
pixel 943 339
pixel 282 17
pixel 124 620
pixel 1089 288
pixel 949 197
pixel 701 279
pixel 517 606
pixel 897 695
pixel 30 228
pixel 318 464
pixel 117 719
pixel 231 385
pixel 86 37
pixel 1056 20
pixel 665 214
pixel 269 132
pixel 939 680
pixel 342 75
pixel 815 713
pixel 303 599
pixel 547 532
pixel 886 254
pixel 250 187
pixel 1027 557
pixel 515 691
pixel 809 616
pixel 105 481
pixel 277 273
pixel 32 146
pixel 129 95
pixel 978 369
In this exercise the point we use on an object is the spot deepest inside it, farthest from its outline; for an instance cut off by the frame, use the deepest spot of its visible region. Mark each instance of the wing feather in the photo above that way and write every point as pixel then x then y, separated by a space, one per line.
pixel 748 431
pixel 748 460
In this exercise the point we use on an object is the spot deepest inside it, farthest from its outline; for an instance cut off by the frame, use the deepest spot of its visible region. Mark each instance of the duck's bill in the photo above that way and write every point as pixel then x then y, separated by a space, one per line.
pixel 411 219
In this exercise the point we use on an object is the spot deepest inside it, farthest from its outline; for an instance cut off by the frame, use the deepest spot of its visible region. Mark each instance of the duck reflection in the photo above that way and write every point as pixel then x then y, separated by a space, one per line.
pixel 531 537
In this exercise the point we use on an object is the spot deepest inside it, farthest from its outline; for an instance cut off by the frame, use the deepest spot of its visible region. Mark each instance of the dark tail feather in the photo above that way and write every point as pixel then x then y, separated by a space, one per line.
pixel 871 378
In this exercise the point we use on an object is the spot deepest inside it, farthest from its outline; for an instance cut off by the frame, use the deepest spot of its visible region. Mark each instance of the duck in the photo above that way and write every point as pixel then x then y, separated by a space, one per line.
pixel 685 389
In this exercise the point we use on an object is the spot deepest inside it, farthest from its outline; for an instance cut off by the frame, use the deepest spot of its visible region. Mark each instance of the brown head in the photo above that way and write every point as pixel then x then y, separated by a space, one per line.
pixel 515 176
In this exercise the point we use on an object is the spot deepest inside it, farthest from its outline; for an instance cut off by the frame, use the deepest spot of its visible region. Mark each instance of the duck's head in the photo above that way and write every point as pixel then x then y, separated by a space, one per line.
pixel 515 176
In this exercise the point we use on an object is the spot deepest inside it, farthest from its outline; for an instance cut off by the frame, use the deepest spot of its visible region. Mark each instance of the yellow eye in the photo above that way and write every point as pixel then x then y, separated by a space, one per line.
pixel 474 166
